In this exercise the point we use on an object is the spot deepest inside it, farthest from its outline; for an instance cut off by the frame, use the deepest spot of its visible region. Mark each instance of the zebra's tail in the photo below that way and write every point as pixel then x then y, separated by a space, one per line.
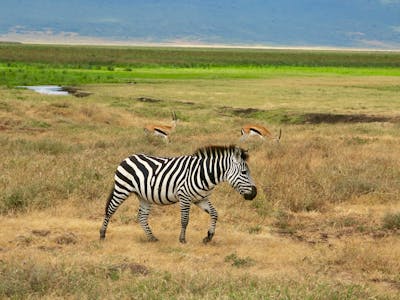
pixel 110 196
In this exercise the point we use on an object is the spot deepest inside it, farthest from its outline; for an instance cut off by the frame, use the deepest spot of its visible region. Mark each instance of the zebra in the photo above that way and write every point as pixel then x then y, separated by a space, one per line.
pixel 184 179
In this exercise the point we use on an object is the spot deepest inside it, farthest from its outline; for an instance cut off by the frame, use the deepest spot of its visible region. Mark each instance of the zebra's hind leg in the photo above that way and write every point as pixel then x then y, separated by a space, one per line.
pixel 208 208
pixel 114 201
pixel 143 215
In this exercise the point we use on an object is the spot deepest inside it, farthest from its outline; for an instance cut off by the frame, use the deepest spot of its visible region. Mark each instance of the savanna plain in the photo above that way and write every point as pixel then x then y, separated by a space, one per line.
pixel 324 225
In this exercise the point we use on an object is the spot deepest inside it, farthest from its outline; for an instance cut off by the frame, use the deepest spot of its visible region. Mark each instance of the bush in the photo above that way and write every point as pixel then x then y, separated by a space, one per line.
pixel 391 221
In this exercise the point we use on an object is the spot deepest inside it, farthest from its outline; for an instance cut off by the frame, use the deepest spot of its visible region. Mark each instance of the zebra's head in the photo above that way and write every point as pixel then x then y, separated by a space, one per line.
pixel 238 174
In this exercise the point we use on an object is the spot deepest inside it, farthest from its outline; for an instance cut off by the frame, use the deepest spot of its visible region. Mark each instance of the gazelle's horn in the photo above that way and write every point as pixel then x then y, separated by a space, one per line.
pixel 279 136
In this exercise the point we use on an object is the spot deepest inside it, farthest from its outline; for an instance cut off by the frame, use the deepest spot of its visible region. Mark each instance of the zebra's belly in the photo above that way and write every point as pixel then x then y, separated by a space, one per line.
pixel 159 196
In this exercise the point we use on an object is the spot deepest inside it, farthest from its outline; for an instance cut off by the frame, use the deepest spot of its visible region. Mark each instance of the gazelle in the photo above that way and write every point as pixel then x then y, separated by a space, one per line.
pixel 162 130
pixel 260 131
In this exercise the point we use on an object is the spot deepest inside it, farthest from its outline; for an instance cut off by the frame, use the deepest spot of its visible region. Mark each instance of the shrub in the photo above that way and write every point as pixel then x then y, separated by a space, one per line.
pixel 391 221
pixel 239 261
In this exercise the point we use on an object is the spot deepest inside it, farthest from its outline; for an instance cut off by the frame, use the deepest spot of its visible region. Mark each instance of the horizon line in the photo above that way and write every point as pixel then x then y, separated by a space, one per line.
pixel 93 41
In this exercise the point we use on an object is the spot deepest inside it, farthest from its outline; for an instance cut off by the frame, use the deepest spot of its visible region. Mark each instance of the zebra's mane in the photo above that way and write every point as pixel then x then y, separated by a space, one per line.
pixel 210 151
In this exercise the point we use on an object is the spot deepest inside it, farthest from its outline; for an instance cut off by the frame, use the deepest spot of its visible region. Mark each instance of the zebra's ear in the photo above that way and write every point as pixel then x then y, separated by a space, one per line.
pixel 245 154
pixel 241 154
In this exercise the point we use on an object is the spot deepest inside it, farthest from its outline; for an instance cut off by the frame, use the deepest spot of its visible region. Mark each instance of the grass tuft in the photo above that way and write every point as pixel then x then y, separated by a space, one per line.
pixel 391 221
pixel 239 262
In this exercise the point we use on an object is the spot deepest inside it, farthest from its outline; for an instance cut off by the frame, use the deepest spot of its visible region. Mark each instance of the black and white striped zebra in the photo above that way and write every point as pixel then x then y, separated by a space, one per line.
pixel 184 179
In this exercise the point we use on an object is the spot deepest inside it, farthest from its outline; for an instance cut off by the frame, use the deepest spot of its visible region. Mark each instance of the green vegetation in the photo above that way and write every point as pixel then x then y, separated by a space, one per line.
pixel 17 74
pixel 130 57
pixel 391 221
pixel 239 262
pixel 73 65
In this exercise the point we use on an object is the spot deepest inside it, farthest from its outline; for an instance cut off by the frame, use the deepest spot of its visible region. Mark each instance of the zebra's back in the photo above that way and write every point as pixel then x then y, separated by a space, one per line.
pixel 154 179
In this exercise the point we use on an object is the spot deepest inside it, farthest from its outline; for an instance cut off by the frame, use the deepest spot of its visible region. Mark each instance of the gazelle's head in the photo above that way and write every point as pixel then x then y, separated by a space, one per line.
pixel 238 174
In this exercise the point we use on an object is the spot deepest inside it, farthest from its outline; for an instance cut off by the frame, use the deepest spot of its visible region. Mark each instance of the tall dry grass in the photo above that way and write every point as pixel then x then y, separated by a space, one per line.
pixel 317 229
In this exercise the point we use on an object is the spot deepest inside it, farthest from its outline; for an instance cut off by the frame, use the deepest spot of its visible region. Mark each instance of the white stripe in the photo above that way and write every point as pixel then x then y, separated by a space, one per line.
pixel 123 183
pixel 139 174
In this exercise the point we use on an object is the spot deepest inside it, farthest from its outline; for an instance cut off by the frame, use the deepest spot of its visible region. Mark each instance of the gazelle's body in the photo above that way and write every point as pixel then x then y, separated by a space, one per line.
pixel 162 130
pixel 258 130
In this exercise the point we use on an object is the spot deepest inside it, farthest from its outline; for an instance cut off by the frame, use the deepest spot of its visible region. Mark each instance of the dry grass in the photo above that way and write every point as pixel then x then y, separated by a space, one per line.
pixel 317 229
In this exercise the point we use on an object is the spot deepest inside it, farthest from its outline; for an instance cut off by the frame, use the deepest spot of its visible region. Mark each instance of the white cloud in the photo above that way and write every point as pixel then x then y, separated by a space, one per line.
pixel 105 20
pixel 355 34
pixel 396 28
pixel 364 43
pixel 389 1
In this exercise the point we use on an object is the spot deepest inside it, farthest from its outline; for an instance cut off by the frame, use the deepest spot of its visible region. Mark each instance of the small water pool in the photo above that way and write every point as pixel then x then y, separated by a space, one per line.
pixel 47 89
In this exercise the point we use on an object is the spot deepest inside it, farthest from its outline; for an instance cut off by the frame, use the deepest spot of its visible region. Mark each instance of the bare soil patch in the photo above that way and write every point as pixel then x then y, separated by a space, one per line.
pixel 75 91
pixel 317 118
pixel 307 118
pixel 155 100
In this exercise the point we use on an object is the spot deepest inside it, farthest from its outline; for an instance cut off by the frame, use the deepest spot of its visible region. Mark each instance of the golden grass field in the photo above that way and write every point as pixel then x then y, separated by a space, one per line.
pixel 324 225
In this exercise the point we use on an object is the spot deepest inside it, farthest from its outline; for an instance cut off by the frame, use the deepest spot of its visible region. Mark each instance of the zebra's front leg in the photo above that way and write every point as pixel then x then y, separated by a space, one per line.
pixel 143 215
pixel 208 208
pixel 185 208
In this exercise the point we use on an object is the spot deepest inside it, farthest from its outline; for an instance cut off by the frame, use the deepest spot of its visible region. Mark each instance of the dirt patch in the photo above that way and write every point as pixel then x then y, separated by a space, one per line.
pixel 138 269
pixel 281 116
pixel 22 240
pixel 75 92
pixel 134 268
pixel 148 100
pixel 241 112
pixel 66 239
pixel 155 100
pixel 317 118
pixel 41 232
pixel 48 248
pixel 393 283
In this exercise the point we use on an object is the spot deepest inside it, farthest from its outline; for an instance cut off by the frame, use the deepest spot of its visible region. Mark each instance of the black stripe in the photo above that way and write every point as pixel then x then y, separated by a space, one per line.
pixel 203 178
pixel 145 173
pixel 179 166
pixel 123 178
pixel 160 131
pixel 130 170
pixel 172 164
pixel 150 161
pixel 256 131
pixel 122 187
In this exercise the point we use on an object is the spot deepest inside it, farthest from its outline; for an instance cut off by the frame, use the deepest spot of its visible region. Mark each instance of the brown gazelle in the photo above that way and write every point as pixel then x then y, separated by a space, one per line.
pixel 260 131
pixel 162 130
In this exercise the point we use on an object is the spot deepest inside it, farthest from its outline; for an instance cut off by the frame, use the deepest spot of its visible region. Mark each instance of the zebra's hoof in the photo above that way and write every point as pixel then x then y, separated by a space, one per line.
pixel 206 240
pixel 183 241
pixel 153 239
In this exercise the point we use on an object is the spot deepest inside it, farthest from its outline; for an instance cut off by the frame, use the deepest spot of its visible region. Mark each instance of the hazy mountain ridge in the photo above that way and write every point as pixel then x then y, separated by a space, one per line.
pixel 355 23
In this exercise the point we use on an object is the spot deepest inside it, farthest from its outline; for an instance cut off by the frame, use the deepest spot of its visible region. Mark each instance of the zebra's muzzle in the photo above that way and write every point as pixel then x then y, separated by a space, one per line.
pixel 251 195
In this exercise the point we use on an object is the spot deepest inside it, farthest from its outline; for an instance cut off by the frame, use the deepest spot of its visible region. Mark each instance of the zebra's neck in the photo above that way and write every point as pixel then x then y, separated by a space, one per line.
pixel 213 171
pixel 215 163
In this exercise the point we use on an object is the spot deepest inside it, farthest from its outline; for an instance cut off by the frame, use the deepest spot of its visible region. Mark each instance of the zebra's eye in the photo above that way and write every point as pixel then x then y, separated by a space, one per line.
pixel 244 172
